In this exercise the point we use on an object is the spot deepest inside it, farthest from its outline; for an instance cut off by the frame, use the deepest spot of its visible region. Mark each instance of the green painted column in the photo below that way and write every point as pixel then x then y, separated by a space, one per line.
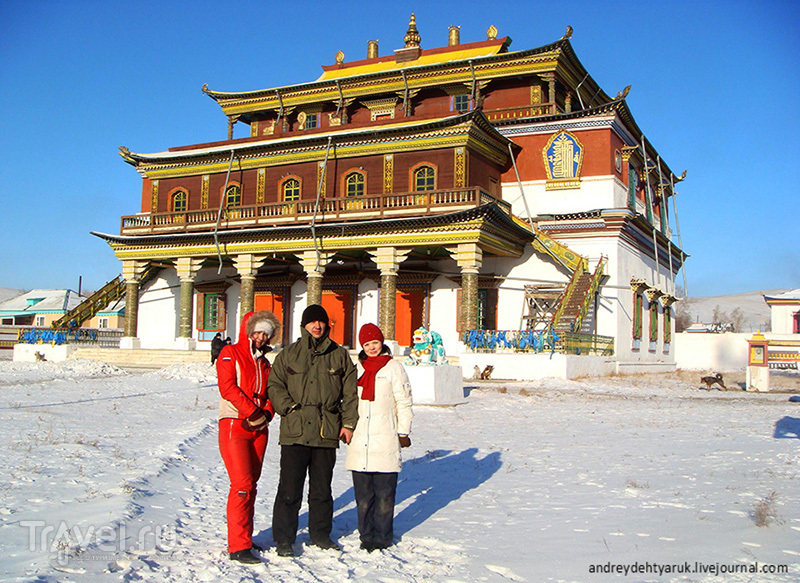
pixel 314 266
pixel 131 308
pixel 469 258
pixel 248 294
pixel 314 292
pixel 186 309
pixel 388 305
pixel 388 260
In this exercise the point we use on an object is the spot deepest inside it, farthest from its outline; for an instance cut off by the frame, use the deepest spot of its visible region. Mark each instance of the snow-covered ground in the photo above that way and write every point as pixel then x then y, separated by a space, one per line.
pixel 115 476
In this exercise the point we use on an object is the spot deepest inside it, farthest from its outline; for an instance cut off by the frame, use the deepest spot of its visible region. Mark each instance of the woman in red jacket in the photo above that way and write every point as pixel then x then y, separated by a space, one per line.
pixel 244 416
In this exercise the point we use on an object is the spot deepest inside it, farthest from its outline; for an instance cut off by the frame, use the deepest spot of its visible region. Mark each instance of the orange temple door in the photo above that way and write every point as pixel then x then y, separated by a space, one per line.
pixel 409 315
pixel 339 305
pixel 272 302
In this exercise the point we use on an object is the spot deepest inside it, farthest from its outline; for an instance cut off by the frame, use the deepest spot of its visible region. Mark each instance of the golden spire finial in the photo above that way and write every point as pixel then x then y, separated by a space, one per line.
pixel 339 58
pixel 491 33
pixel 412 37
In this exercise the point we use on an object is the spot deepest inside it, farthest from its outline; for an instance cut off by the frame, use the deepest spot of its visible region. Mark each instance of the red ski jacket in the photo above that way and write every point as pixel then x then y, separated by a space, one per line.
pixel 242 378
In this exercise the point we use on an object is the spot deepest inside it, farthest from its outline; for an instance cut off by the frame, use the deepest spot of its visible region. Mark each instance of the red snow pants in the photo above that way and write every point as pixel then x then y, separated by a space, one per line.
pixel 243 453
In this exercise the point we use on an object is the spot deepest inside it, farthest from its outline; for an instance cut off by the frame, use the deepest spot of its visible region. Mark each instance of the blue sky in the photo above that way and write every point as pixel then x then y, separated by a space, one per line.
pixel 715 86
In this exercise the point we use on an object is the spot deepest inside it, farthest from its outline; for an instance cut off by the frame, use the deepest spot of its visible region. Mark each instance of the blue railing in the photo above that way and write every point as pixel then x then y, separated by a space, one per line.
pixel 537 341
pixel 516 340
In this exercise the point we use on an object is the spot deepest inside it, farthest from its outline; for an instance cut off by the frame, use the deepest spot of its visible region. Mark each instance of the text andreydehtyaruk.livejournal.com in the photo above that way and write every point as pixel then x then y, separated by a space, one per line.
pixel 687 567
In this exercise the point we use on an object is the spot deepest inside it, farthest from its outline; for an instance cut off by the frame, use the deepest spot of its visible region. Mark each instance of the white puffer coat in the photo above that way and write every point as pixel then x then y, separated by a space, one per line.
pixel 375 446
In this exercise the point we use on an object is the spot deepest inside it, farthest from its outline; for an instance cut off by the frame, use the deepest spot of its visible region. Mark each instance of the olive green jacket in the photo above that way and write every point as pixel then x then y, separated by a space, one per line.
pixel 312 386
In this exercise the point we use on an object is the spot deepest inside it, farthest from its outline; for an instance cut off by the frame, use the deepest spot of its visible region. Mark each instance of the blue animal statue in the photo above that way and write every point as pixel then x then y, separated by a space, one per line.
pixel 427 349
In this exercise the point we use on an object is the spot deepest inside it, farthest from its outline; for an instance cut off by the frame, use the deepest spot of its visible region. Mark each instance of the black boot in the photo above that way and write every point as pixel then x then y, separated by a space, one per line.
pixel 245 556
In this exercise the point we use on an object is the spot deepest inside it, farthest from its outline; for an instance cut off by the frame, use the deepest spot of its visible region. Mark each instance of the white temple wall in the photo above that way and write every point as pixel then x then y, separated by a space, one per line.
pixel 596 192
pixel 159 306
pixel 782 318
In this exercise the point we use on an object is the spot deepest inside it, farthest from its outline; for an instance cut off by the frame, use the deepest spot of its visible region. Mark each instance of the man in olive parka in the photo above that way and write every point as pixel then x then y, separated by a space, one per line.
pixel 312 386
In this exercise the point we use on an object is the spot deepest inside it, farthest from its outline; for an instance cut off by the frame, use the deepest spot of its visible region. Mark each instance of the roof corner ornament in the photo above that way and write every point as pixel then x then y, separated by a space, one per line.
pixel 339 58
pixel 491 32
pixel 126 153
pixel 412 38
pixel 204 88
pixel 681 177
pixel 623 94
pixel 568 33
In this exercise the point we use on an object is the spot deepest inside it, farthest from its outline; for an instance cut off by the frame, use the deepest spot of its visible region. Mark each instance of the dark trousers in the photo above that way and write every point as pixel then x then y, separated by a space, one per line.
pixel 296 461
pixel 375 495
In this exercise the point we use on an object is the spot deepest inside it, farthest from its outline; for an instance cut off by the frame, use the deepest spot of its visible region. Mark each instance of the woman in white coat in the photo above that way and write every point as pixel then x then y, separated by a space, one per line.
pixel 384 422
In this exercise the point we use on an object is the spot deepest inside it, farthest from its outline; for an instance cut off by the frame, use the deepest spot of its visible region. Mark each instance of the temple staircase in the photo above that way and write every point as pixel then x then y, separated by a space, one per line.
pixel 578 297
pixel 89 307
pixel 565 308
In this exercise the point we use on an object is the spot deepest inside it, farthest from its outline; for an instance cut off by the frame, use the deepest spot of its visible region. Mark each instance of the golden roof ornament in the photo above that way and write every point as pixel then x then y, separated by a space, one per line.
pixel 491 32
pixel 568 33
pixel 339 58
pixel 623 94
pixel 412 37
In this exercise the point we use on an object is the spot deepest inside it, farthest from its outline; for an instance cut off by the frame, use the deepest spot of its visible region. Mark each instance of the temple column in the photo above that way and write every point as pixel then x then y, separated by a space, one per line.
pixel 314 268
pixel 388 260
pixel 247 265
pixel 551 90
pixel 469 258
pixel 187 269
pixel 132 274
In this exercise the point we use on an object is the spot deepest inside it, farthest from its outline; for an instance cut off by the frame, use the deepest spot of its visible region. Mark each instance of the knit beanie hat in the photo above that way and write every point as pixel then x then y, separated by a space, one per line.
pixel 314 313
pixel 369 332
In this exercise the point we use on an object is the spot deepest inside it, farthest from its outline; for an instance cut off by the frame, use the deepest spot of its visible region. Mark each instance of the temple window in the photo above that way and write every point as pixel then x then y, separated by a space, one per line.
pixel 291 189
pixel 461 103
pixel 354 183
pixel 424 178
pixel 633 183
pixel 233 195
pixel 653 325
pixel 312 121
pixel 638 309
pixel 179 198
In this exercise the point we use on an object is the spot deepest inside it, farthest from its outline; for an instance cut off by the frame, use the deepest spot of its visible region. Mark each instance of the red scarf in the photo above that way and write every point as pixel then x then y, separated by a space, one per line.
pixel 371 367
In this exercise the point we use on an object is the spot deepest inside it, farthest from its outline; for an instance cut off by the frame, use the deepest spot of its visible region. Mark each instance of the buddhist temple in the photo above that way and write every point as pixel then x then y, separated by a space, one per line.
pixel 469 189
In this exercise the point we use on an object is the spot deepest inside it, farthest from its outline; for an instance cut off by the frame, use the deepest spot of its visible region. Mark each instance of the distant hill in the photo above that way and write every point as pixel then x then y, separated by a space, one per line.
pixel 752 305
pixel 6 293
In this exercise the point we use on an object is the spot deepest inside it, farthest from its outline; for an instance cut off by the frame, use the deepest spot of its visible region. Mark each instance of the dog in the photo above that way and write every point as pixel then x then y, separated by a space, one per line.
pixel 40 357
pixel 476 373
pixel 487 372
pixel 715 380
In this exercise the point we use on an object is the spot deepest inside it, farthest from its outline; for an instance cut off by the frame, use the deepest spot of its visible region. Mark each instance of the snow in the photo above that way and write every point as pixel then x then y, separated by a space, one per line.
pixel 115 476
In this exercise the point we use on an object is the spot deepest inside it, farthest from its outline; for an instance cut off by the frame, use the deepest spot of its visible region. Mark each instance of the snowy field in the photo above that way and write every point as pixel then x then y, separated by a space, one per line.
pixel 116 476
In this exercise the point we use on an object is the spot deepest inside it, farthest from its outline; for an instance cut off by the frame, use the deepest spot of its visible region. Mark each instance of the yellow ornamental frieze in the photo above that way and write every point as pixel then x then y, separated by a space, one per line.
pixel 154 197
pixel 353 149
pixel 355 87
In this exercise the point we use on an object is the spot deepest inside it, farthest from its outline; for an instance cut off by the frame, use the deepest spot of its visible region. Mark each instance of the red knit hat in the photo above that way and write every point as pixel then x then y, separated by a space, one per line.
pixel 369 332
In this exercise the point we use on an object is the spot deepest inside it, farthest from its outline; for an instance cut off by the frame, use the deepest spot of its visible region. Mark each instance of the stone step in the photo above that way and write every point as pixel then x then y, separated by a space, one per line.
pixel 142 358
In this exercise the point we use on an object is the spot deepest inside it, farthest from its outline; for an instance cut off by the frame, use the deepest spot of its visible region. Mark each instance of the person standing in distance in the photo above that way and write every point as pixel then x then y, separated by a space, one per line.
pixel 244 416
pixel 313 388
pixel 373 455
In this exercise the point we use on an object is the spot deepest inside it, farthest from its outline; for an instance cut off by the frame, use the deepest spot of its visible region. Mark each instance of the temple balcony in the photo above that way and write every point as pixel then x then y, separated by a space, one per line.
pixel 499 115
pixel 384 206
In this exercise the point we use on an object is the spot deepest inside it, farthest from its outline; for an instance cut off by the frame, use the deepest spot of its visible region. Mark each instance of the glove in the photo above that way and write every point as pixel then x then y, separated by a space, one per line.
pixel 256 422
pixel 405 440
